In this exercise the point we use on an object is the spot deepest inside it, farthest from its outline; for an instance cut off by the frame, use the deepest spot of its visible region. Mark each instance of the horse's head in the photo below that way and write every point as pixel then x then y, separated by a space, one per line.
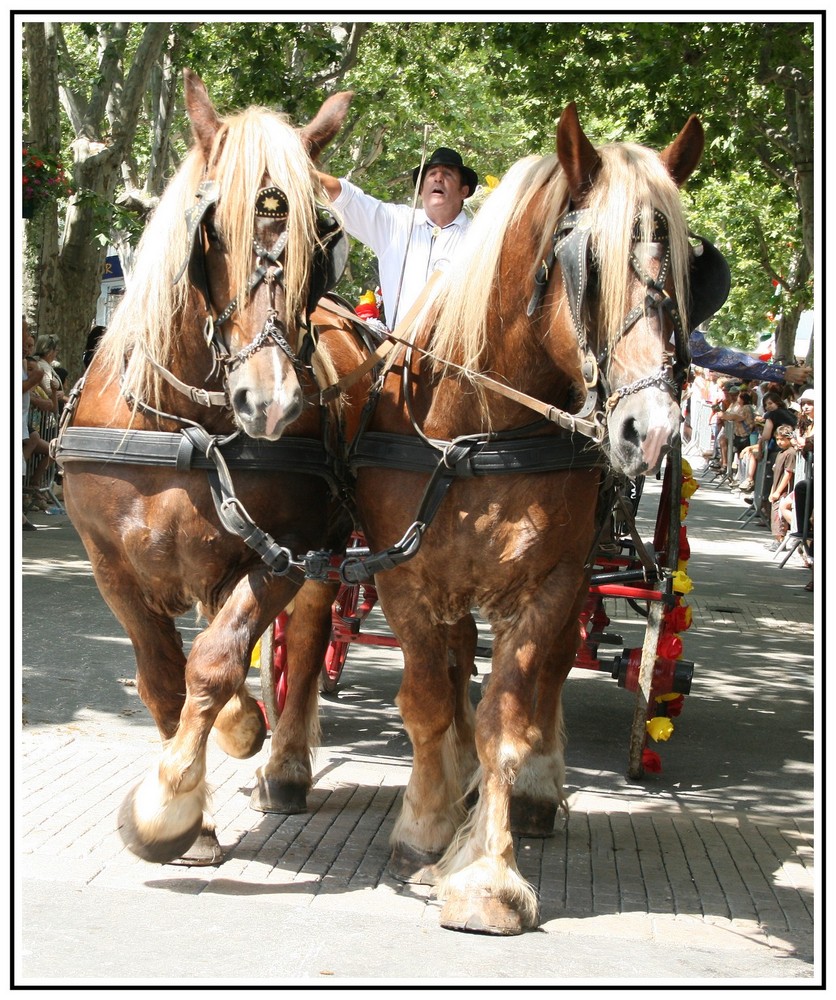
pixel 261 251
pixel 634 283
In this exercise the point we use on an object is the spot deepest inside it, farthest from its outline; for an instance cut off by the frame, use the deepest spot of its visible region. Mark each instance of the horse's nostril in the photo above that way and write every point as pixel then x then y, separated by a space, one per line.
pixel 242 402
pixel 630 432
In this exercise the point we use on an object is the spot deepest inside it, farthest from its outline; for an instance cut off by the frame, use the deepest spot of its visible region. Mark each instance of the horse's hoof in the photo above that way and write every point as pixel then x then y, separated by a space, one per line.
pixel 283 797
pixel 146 839
pixel 205 851
pixel 532 817
pixel 481 914
pixel 408 864
pixel 241 734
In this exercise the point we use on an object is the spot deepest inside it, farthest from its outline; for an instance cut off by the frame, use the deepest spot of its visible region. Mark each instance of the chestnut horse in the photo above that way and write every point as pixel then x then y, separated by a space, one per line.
pixel 178 503
pixel 570 299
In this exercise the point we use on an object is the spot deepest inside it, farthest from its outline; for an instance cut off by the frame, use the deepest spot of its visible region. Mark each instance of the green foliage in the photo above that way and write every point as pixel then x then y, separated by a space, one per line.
pixel 106 218
pixel 494 90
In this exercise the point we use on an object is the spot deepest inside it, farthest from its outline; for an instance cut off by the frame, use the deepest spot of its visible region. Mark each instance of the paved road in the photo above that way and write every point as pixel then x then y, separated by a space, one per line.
pixel 701 874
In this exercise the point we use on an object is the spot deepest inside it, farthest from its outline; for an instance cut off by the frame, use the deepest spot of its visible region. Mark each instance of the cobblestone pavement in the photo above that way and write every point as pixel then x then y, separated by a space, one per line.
pixel 702 873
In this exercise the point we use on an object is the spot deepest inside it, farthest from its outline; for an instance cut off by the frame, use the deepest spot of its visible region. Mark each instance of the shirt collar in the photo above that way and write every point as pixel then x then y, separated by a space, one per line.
pixel 421 219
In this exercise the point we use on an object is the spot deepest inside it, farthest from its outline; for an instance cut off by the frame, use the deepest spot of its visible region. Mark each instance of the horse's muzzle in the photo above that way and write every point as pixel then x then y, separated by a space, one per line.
pixel 642 428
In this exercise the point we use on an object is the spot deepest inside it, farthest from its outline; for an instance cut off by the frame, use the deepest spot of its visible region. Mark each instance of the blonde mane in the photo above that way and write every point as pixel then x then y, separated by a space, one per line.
pixel 631 183
pixel 150 321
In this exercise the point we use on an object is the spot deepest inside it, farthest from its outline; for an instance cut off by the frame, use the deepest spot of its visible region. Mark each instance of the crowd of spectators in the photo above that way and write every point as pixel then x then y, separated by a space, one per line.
pixel 43 399
pixel 758 438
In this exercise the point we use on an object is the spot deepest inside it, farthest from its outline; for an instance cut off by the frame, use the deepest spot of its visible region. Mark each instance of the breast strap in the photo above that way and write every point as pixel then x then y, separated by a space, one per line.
pixel 179 450
pixel 446 461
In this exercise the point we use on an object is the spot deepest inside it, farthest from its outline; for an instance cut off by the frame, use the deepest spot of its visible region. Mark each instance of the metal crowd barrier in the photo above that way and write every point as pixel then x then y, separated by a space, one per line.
pixel 702 439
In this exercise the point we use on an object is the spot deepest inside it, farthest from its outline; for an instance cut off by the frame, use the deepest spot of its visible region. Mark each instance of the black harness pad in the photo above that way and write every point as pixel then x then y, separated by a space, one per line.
pixel 330 257
pixel 710 283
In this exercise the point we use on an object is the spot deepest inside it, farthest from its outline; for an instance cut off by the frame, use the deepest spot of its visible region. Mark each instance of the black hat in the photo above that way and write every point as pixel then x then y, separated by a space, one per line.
pixel 449 158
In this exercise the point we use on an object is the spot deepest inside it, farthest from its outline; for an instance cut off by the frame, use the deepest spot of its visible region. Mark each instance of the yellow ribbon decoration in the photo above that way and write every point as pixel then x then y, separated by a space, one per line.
pixel 660 728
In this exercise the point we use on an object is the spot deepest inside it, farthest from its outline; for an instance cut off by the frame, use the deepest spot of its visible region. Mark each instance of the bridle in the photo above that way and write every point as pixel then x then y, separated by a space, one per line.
pixel 674 365
pixel 570 249
pixel 270 204
pixel 328 262
pixel 192 446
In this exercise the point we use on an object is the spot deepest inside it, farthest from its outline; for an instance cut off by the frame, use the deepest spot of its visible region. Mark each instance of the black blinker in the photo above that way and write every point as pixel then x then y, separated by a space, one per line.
pixel 710 283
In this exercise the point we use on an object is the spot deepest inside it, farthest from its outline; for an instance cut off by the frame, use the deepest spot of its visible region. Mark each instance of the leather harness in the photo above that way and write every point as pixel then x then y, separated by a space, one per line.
pixel 577 445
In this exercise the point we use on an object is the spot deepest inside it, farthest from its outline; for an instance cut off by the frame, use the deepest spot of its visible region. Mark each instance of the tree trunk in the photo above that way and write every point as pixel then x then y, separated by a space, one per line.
pixel 791 310
pixel 64 275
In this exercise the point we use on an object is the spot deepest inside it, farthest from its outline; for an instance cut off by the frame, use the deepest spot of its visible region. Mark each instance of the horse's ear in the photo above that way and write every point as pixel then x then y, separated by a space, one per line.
pixel 201 111
pixel 317 134
pixel 576 153
pixel 683 154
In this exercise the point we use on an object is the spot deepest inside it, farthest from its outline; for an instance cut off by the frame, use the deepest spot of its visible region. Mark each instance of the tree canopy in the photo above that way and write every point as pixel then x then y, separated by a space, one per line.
pixel 107 98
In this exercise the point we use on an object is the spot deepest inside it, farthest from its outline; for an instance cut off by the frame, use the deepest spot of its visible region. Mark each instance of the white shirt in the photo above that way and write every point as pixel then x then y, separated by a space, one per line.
pixel 387 229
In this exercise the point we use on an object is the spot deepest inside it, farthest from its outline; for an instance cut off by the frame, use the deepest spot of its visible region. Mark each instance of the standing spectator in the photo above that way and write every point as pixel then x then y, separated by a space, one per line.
pixel 803 439
pixel 782 483
pixel 46 352
pixel 799 504
pixel 33 377
pixel 775 414
pixel 741 414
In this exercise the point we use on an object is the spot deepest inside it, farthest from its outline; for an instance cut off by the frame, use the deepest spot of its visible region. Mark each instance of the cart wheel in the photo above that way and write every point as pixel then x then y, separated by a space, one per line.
pixel 273 670
pixel 345 606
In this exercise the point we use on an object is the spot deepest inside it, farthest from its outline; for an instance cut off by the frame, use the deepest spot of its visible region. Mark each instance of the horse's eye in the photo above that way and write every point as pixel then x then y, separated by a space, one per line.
pixel 212 234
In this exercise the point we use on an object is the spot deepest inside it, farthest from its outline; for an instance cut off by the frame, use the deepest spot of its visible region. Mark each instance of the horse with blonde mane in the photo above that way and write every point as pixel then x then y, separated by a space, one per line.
pixel 200 466
pixel 550 356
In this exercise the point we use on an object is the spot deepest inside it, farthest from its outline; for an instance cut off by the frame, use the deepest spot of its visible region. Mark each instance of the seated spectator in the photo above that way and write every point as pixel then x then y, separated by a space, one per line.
pixel 747 468
pixel 747 403
pixel 728 397
pixel 741 414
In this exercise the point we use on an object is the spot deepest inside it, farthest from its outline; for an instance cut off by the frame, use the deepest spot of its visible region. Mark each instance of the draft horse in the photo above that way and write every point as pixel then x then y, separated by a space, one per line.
pixel 550 356
pixel 200 467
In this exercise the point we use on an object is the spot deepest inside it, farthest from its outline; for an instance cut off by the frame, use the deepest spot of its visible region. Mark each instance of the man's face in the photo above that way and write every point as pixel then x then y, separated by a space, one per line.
pixel 443 193
pixel 28 344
